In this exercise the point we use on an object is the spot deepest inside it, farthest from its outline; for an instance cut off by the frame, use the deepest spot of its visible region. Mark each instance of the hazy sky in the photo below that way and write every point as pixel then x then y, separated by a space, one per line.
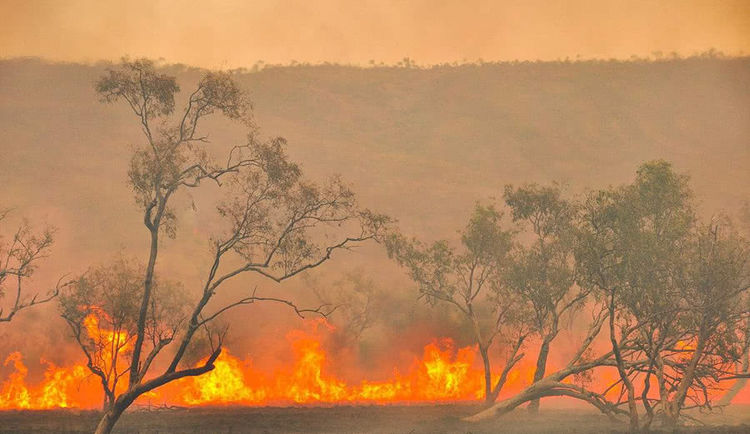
pixel 235 33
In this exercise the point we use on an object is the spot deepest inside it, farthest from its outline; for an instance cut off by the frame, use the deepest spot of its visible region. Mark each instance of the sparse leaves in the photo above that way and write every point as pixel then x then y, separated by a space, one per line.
pixel 277 224
pixel 470 280
pixel 148 93
pixel 19 257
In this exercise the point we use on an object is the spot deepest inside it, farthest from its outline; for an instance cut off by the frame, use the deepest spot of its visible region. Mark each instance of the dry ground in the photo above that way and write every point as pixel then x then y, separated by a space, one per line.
pixel 346 419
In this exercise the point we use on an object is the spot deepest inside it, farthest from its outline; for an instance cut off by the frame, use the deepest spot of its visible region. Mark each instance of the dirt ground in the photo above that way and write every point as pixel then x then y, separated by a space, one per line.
pixel 346 419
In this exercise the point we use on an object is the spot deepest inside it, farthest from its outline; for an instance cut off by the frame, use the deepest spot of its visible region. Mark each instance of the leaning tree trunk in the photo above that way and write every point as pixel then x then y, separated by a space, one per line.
pixel 113 413
pixel 546 388
pixel 507 405
pixel 733 391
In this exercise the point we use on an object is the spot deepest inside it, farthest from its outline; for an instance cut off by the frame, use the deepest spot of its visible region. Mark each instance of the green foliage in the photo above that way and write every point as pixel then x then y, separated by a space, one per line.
pixel 458 276
pixel 543 270
pixel 632 237
pixel 149 93
pixel 671 282
pixel 172 156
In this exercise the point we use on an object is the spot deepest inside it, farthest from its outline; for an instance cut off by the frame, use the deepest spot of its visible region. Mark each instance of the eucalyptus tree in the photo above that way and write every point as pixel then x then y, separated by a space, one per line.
pixel 20 254
pixel 626 243
pixel 712 285
pixel 467 278
pixel 542 272
pixel 276 224
pixel 671 290
pixel 674 289
pixel 631 246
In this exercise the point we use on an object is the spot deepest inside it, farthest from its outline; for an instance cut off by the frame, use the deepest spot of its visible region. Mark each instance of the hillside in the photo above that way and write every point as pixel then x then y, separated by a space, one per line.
pixel 419 144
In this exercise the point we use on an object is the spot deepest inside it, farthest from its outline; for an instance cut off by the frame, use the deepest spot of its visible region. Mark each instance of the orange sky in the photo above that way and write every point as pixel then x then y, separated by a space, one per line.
pixel 235 33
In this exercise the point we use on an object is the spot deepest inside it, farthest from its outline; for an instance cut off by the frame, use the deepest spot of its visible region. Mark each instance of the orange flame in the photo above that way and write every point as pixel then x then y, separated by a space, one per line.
pixel 444 373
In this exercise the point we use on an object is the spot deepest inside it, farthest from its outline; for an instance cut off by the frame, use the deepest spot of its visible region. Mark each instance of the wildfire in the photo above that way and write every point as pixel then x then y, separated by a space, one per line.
pixel 444 373
pixel 61 387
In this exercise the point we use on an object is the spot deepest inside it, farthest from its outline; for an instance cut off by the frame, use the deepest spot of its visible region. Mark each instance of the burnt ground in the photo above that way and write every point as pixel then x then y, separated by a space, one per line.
pixel 348 419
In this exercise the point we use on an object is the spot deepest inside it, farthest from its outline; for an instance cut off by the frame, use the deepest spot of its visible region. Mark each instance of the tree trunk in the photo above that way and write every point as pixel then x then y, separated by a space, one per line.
pixel 644 398
pixel 489 397
pixel 109 419
pixel 148 284
pixel 632 405
pixel 740 383
pixel 683 387
pixel 506 405
pixel 733 391
pixel 545 388
pixel 541 367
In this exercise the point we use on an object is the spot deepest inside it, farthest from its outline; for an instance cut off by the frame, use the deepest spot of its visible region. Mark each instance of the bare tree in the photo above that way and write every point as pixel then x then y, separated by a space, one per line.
pixel 542 272
pixel 277 224
pixel 19 257
pixel 469 281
